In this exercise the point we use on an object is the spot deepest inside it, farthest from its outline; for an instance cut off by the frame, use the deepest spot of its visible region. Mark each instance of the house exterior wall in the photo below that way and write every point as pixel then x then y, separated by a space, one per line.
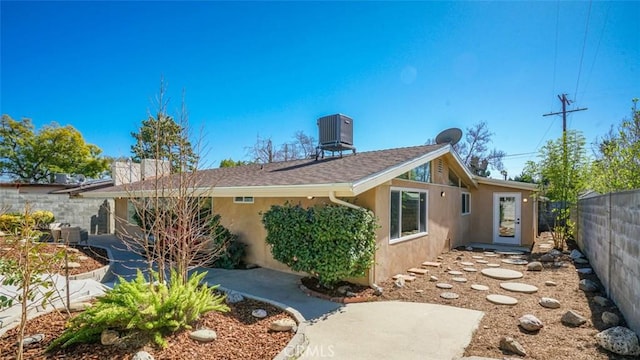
pixel 482 214
pixel 94 215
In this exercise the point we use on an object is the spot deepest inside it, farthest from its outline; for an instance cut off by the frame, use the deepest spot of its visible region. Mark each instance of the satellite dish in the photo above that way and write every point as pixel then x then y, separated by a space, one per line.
pixel 449 136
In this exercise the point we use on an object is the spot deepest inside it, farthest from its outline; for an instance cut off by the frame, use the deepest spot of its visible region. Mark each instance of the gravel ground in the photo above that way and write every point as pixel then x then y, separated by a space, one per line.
pixel 554 341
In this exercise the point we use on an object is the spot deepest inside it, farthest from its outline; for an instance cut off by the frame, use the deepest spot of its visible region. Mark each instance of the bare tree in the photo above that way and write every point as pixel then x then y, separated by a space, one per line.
pixel 475 152
pixel 177 224
pixel 263 150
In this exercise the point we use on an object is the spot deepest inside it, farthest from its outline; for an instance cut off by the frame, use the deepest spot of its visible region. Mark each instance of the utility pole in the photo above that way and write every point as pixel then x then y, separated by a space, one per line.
pixel 565 162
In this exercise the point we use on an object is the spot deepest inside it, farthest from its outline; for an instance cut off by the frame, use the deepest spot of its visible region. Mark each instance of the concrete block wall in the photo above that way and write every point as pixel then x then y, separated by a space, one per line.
pixel 609 235
pixel 94 215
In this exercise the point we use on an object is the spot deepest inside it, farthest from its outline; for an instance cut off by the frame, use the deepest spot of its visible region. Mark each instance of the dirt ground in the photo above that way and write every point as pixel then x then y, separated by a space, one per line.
pixel 553 341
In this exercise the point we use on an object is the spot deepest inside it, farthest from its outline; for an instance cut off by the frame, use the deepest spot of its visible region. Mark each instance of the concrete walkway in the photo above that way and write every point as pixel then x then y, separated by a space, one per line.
pixel 389 330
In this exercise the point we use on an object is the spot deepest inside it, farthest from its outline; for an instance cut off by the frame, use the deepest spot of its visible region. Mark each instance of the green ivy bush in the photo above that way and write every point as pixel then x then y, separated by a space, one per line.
pixel 231 251
pixel 136 306
pixel 330 242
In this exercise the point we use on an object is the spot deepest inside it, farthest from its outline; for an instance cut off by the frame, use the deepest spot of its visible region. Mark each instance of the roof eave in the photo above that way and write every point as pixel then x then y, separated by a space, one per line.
pixel 507 183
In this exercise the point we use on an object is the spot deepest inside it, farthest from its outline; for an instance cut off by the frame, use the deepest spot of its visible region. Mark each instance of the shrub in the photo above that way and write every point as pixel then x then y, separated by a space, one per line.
pixel 329 242
pixel 231 251
pixel 42 218
pixel 136 306
pixel 11 222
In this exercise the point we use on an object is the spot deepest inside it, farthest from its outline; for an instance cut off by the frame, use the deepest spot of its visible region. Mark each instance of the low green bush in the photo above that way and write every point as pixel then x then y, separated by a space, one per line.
pixel 11 222
pixel 329 242
pixel 231 251
pixel 43 218
pixel 136 306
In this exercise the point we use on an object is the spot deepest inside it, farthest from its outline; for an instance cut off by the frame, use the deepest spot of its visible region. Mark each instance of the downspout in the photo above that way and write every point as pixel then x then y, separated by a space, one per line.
pixel 332 197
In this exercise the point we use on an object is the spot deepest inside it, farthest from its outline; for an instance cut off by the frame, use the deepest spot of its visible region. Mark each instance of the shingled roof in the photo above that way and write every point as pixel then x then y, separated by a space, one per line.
pixel 347 175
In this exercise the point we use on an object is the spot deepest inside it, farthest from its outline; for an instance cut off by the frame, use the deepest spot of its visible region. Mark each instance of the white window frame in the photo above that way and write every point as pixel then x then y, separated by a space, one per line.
pixel 426 215
pixel 468 203
pixel 243 199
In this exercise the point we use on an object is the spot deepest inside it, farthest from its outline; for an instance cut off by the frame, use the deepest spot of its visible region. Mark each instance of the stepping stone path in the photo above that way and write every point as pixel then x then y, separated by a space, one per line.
pixel 467 269
pixel 488 253
pixel 517 257
pixel 456 273
pixel 449 295
pixel 493 265
pixel 515 261
pixel 444 286
pixel 418 271
pixel 549 303
pixel 479 287
pixel 466 263
pixel 491 255
pixel 502 274
pixel 405 277
pixel 431 263
pixel 477 257
pixel 501 299
pixel 519 287
pixel 482 261
pixel 510 252
pixel 459 279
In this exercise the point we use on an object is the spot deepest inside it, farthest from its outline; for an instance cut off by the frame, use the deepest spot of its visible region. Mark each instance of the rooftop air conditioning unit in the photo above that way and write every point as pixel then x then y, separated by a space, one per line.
pixel 61 179
pixel 335 133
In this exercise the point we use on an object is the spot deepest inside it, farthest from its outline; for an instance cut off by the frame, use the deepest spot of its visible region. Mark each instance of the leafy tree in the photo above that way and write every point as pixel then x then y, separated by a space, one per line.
pixel 30 156
pixel 617 163
pixel 562 172
pixel 475 153
pixel 232 163
pixel 160 137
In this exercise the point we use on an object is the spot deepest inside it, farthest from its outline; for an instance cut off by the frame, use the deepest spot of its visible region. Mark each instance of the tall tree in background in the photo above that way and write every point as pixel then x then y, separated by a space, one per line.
pixel 232 163
pixel 160 137
pixel 475 152
pixel 30 156
pixel 264 151
pixel 617 163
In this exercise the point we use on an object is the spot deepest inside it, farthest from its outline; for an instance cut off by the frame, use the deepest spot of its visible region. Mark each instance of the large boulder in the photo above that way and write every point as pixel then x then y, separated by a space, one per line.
pixel 619 340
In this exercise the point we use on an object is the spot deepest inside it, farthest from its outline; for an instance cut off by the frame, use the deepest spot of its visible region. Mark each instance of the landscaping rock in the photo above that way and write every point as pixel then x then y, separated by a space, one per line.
pixel 234 297
pixel 602 301
pixel 575 254
pixel 581 261
pixel 204 335
pixel 73 250
pixel 431 263
pixel 587 285
pixel 619 340
pixel 285 324
pixel 71 265
pixel 399 282
pixel 547 258
pixel 550 283
pixel 259 313
pixel 572 318
pixel 109 337
pixel 350 294
pixel 610 319
pixel 377 290
pixel 509 344
pixel 444 286
pixel 82 258
pixel 534 266
pixel 469 269
pixel 142 355
pixel 33 339
pixel 459 279
pixel 549 303
pixel 455 273
pixel 433 278
pixel 555 253
pixel 585 271
pixel 530 323
pixel 343 289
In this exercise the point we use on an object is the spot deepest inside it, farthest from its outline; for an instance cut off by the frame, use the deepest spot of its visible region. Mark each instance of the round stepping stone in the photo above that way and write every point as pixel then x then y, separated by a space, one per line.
pixel 467 269
pixel 477 257
pixel 515 261
pixel 501 299
pixel 466 263
pixel 516 257
pixel 493 265
pixel 449 295
pixel 491 255
pixel 456 273
pixel 510 252
pixel 519 287
pixel 459 279
pixel 482 261
pixel 444 286
pixel 502 274
pixel 479 287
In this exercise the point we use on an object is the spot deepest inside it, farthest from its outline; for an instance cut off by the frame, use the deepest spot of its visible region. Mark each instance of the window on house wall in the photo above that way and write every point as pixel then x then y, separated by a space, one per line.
pixel 243 199
pixel 408 214
pixel 466 205
pixel 420 173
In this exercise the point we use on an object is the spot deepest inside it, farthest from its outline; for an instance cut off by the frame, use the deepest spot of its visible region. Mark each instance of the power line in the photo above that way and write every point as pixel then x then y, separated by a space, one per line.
pixel 584 45
pixel 595 57
pixel 555 53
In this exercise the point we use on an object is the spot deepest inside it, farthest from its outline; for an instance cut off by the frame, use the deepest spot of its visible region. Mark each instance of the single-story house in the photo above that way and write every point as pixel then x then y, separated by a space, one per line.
pixel 425 199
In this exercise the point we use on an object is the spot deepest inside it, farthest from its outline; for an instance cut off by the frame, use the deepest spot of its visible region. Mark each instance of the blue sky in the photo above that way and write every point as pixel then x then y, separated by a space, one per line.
pixel 402 71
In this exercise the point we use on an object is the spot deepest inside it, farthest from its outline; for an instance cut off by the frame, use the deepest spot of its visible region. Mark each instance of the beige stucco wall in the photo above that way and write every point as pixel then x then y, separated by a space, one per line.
pixel 482 214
